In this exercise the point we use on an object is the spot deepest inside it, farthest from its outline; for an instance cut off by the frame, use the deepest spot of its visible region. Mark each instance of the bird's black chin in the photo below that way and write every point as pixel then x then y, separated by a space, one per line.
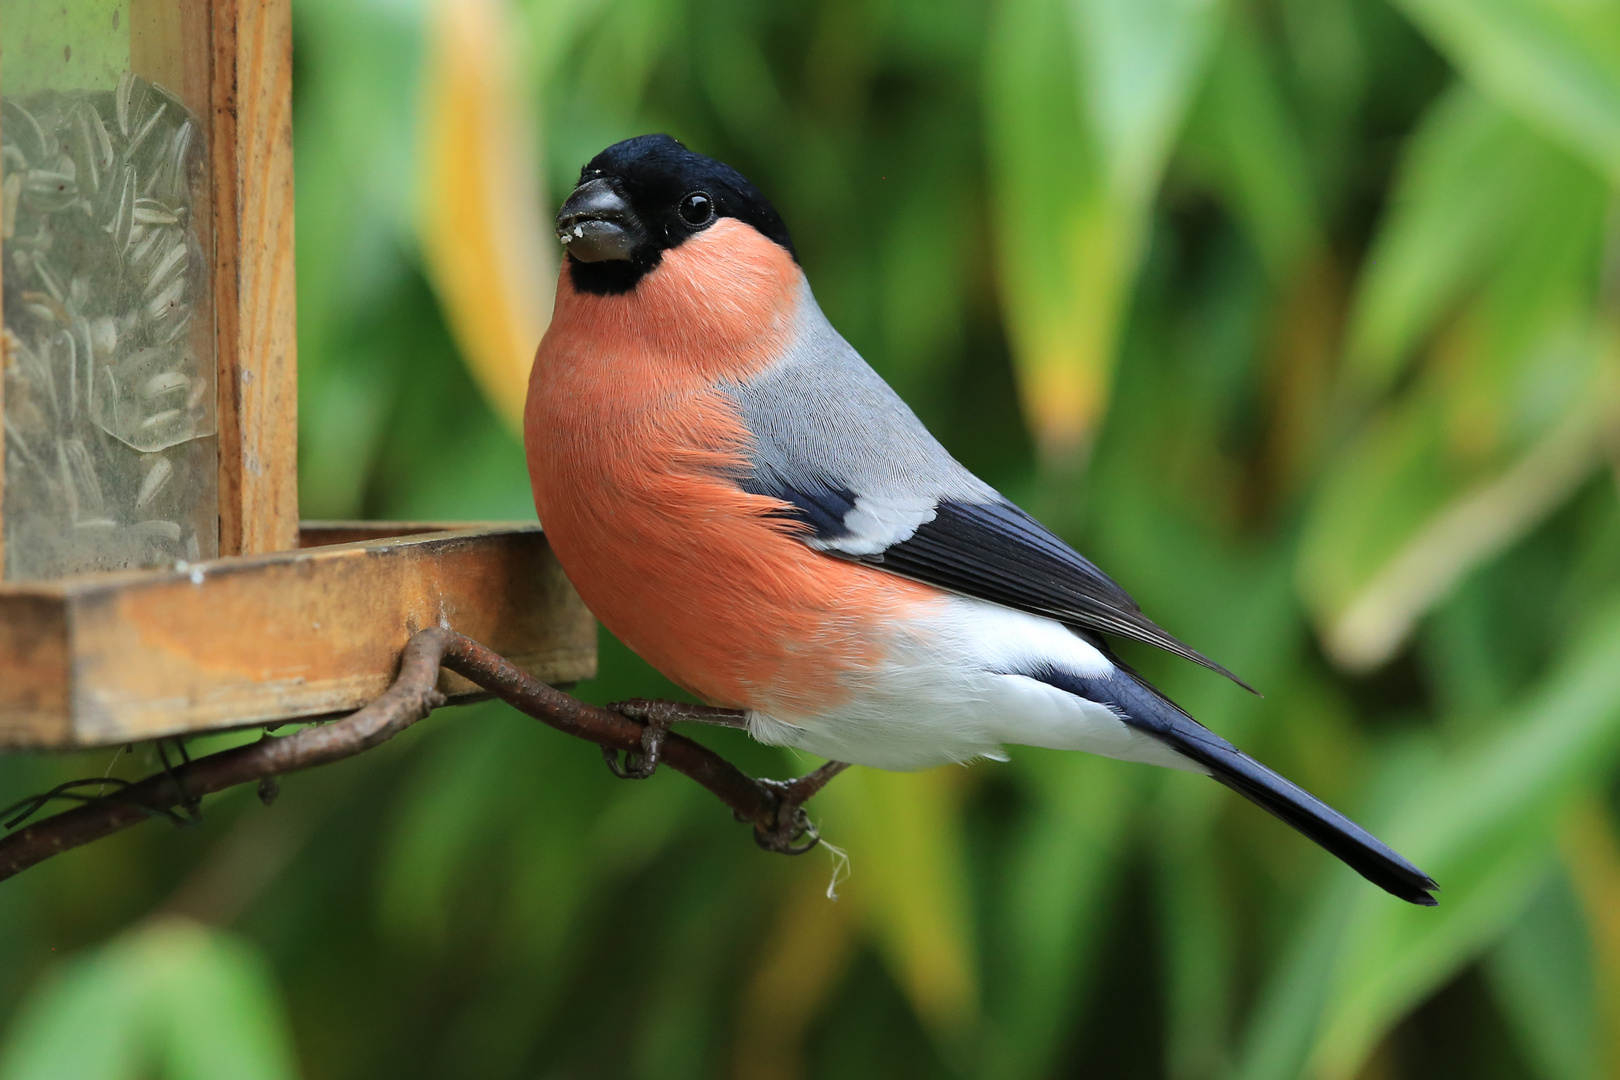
pixel 611 277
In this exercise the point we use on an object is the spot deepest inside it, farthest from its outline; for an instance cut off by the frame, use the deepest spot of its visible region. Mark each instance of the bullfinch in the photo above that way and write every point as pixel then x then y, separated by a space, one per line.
pixel 745 503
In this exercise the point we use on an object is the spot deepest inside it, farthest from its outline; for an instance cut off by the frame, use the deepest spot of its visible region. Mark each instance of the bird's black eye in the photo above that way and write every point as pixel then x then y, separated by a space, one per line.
pixel 697 208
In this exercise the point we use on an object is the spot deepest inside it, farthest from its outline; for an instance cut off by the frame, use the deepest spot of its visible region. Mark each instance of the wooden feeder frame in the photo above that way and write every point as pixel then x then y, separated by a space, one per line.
pixel 289 622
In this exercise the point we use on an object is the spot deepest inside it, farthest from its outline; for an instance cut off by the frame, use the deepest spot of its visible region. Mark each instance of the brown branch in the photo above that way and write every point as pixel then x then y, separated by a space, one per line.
pixel 774 808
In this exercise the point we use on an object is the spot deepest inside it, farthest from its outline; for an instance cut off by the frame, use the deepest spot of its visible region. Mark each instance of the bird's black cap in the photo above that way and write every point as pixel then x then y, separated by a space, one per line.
pixel 643 196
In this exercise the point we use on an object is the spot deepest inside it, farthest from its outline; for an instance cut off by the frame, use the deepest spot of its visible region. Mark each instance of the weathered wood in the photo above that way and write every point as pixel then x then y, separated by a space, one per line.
pixel 5 366
pixel 103 659
pixel 323 533
pixel 253 279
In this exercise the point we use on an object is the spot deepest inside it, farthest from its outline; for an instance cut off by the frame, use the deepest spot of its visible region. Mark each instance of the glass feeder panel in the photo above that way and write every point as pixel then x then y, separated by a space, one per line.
pixel 106 216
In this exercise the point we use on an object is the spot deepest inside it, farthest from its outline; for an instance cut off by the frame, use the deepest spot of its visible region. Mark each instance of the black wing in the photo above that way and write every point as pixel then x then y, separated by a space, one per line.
pixel 992 551
pixel 997 552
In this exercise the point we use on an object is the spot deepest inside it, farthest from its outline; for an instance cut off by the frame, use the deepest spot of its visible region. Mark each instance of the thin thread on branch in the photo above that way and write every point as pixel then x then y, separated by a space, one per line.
pixel 774 808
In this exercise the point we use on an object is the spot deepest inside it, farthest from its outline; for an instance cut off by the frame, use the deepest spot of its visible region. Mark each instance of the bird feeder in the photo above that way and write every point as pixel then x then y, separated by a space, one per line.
pixel 156 578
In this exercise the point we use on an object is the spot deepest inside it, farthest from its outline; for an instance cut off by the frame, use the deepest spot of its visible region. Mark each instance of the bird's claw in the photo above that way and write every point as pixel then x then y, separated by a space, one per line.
pixel 656 718
pixel 790 830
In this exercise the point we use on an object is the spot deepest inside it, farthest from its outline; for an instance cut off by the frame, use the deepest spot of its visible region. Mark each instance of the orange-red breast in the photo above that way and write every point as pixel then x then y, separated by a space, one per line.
pixel 744 502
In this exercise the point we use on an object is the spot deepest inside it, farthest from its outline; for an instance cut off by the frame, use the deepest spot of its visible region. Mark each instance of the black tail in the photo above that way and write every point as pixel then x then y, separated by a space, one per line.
pixel 1144 708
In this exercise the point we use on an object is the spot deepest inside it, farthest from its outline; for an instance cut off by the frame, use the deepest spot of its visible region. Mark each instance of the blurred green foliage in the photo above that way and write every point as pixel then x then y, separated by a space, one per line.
pixel 1299 316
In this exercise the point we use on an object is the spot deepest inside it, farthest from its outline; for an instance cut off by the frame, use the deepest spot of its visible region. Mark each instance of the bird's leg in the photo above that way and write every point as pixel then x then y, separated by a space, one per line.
pixel 657 717
pixel 792 832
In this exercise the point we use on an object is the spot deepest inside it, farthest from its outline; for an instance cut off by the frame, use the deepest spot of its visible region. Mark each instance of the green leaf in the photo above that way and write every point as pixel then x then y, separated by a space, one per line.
pixel 504 828
pixel 1065 863
pixel 1199 913
pixel 358 71
pixel 1541 974
pixel 1241 133
pixel 190 1002
pixel 1394 958
pixel 481 227
pixel 224 1015
pixel 1395 527
pixel 1073 177
pixel 908 883
pixel 1469 188
pixel 1140 61
pixel 1489 257
pixel 1199 925
pixel 1554 62
pixel 1483 824
pixel 86 1021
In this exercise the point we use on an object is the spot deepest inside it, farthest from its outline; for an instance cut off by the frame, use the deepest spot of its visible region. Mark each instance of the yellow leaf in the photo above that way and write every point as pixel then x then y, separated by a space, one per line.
pixel 804 956
pixel 1083 102
pixel 1592 854
pixel 1477 525
pixel 1064 344
pixel 488 253
pixel 908 886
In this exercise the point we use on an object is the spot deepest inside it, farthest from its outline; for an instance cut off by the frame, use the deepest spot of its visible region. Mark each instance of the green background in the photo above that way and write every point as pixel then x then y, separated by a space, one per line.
pixel 62 46
pixel 1345 276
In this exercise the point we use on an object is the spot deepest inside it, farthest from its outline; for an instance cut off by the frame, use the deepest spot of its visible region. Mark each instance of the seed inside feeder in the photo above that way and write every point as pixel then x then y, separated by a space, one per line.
pixel 111 381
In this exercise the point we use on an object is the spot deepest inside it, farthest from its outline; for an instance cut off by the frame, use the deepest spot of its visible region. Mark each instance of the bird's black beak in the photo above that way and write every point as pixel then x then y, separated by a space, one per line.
pixel 597 224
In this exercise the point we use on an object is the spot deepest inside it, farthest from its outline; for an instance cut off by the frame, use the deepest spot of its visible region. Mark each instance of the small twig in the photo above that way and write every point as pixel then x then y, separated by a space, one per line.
pixel 775 808
pixel 64 791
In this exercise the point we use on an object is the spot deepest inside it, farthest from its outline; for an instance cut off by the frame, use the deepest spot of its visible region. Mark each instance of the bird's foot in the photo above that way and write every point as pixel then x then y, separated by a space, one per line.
pixel 791 832
pixel 657 717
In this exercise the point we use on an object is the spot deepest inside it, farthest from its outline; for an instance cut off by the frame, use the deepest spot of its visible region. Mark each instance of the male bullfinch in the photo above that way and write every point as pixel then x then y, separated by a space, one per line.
pixel 744 502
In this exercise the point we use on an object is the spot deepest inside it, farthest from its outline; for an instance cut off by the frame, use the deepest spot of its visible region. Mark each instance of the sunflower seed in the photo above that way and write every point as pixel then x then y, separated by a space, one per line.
pixel 121 101
pixel 72 351
pixel 143 243
pixel 172 263
pixel 165 383
pixel 157 420
pixel 79 482
pixel 103 338
pixel 96 196
pixel 85 140
pixel 122 216
pixel 146 129
pixel 10 189
pixel 158 472
pixel 19 124
pixel 168 301
pixel 167 530
pixel 152 212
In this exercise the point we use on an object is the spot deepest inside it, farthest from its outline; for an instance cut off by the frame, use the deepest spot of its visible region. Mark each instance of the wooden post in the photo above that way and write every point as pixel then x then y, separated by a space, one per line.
pixel 253 279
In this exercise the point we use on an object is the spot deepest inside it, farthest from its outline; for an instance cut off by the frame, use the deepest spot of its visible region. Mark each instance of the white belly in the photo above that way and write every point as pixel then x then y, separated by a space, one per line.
pixel 948 692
